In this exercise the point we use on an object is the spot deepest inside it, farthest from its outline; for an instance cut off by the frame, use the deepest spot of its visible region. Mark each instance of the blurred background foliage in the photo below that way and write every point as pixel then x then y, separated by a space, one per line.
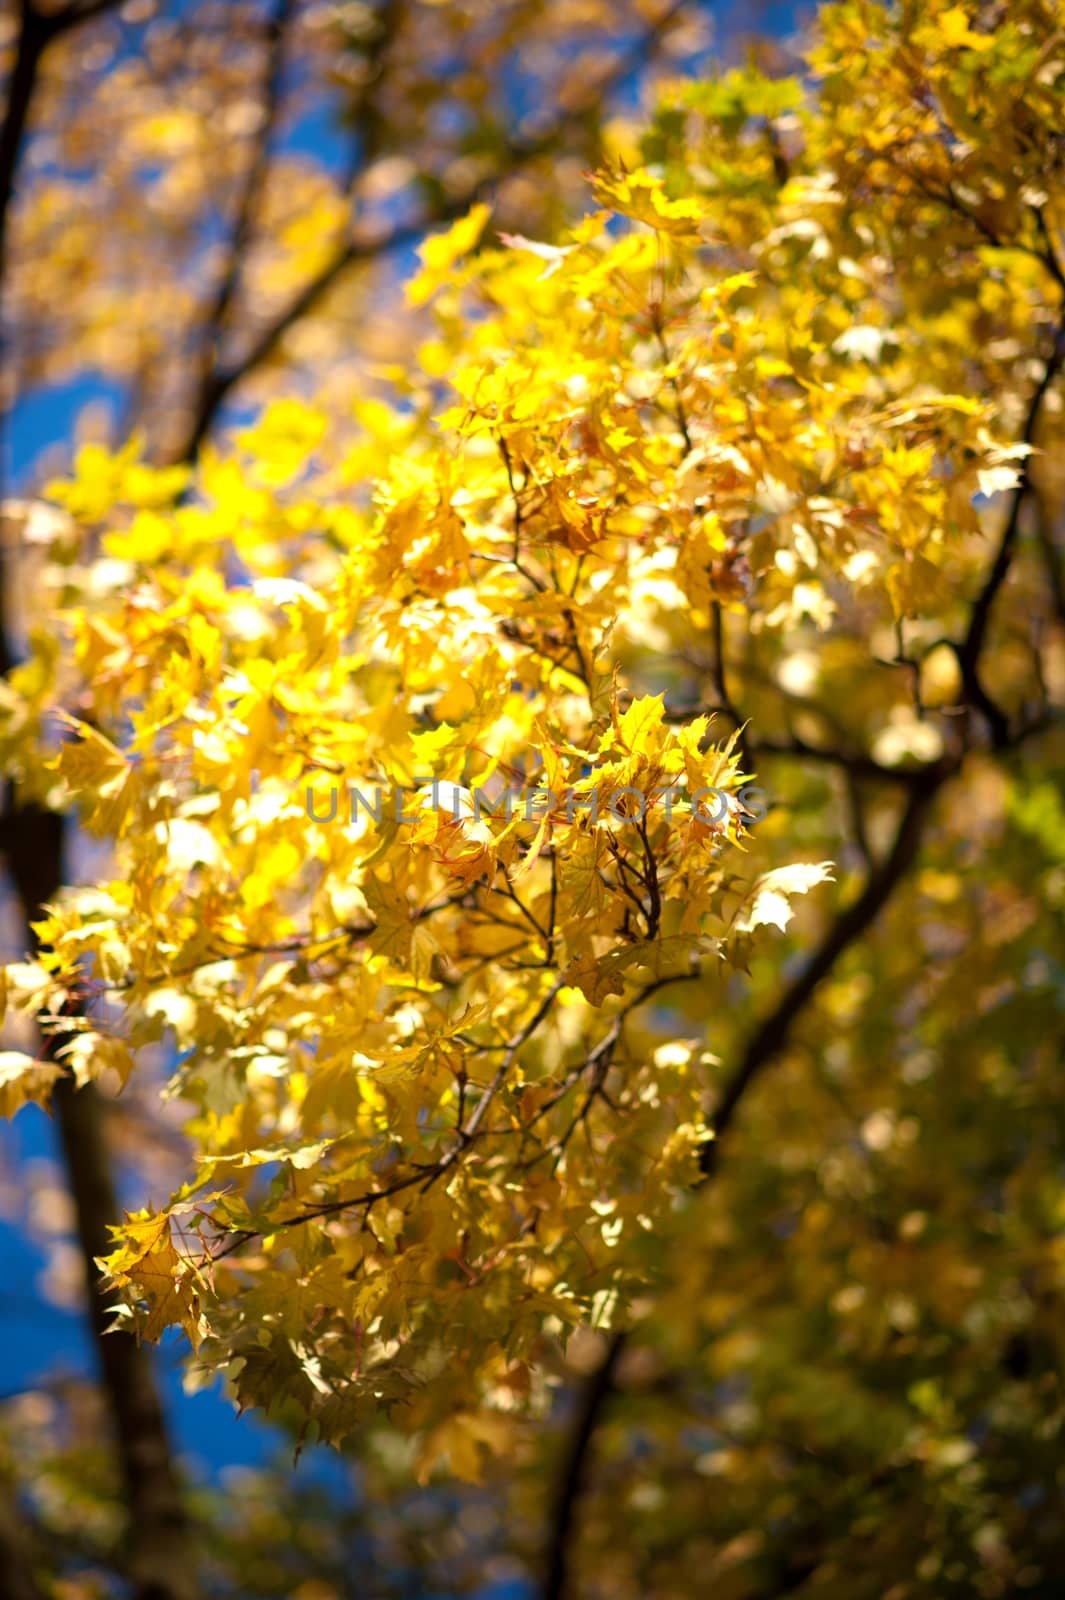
pixel 853 1388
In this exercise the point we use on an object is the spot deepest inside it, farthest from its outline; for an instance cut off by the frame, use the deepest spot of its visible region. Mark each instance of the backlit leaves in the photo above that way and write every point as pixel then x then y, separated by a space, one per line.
pixel 420 733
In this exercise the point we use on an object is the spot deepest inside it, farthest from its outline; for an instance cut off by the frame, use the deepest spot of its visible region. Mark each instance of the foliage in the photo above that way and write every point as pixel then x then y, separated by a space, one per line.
pixel 751 471
pixel 217 190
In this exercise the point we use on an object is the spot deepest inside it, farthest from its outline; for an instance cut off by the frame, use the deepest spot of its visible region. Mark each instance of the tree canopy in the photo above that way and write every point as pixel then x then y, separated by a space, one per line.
pixel 571 809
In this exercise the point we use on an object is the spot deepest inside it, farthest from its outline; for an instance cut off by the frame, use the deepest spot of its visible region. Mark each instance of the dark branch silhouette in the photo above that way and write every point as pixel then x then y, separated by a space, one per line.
pixel 32 840
pixel 224 377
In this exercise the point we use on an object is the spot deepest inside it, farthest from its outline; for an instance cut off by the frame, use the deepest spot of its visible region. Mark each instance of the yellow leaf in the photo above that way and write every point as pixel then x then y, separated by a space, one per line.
pixel 639 724
pixel 441 251
pixel 24 1079
pixel 769 902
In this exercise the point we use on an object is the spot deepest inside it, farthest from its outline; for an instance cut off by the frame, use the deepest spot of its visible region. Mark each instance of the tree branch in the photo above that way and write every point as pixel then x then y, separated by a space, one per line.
pixel 1052 560
pixel 33 842
pixel 848 927
pixel 159 1535
pixel 352 251
pixel 244 224
pixel 427 1174
pixel 855 763
pixel 17 1554
pixel 969 650
pixel 60 22
pixel 158 1528
pixel 592 1402
pixel 33 37
pixel 763 1048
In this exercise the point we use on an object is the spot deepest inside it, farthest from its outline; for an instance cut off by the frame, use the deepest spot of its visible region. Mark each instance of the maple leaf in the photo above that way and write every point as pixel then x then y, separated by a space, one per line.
pixel 441 251
pixel 768 903
pixel 25 1080
pixel 553 254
